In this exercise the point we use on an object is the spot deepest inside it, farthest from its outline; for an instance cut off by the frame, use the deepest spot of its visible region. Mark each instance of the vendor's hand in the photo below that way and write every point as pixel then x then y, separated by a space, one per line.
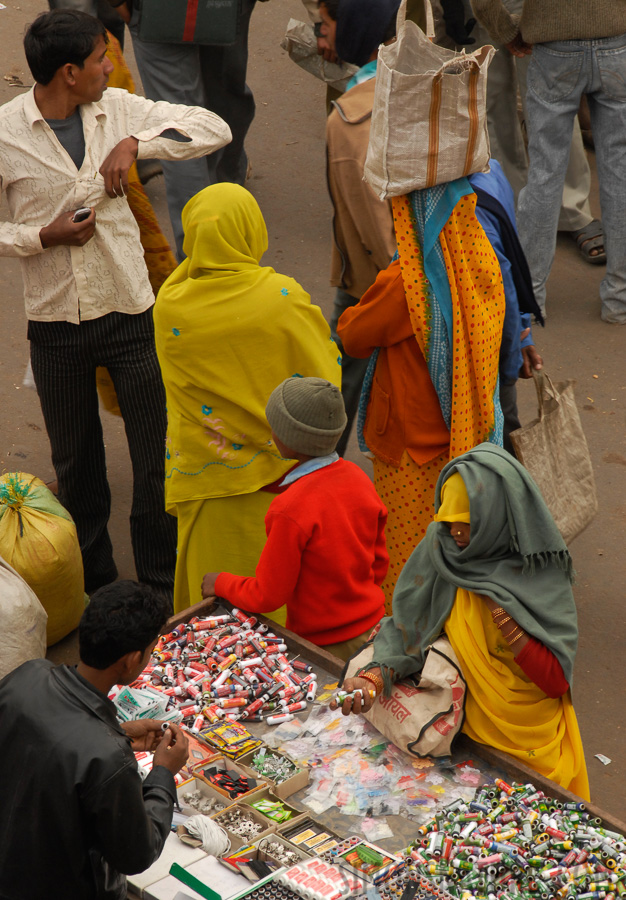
pixel 62 231
pixel 208 585
pixel 117 165
pixel 518 47
pixel 173 750
pixel 145 734
pixel 358 704
pixel 531 360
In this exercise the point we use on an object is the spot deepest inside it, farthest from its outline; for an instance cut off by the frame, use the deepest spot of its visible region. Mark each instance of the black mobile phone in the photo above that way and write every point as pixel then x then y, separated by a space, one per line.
pixel 81 214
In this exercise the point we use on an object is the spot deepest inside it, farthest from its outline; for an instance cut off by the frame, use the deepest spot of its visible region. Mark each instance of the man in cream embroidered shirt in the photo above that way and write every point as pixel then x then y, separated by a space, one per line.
pixel 68 145
pixel 108 273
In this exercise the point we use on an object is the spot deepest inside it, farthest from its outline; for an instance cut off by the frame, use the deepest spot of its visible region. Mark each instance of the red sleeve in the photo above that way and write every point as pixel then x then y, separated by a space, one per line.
pixel 277 572
pixel 542 667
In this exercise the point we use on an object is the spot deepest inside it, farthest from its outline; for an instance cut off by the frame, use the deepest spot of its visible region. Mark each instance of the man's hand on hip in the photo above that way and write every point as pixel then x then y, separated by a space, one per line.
pixel 63 230
pixel 117 165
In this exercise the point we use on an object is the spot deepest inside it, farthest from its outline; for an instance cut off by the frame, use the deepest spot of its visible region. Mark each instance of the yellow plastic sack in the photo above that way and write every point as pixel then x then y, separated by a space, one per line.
pixel 38 538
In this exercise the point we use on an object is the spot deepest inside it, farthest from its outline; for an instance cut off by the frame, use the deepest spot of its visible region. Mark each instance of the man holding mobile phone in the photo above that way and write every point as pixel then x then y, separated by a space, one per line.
pixel 66 148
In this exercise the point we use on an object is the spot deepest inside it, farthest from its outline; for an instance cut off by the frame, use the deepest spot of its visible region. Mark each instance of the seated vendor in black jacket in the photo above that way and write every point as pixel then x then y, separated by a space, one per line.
pixel 74 812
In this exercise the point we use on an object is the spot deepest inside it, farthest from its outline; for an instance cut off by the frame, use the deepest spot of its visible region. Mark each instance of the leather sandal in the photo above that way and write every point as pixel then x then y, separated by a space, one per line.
pixel 589 238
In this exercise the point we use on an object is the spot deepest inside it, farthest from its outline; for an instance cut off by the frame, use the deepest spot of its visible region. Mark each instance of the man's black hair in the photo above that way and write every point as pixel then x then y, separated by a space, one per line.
pixel 332 6
pixel 121 618
pixel 58 37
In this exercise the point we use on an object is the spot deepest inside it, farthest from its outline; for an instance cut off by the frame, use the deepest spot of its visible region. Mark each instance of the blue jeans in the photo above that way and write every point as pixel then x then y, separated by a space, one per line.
pixel 199 75
pixel 560 72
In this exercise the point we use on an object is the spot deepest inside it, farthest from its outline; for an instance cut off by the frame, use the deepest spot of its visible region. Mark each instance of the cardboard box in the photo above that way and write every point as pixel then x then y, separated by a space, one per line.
pixel 236 840
pixel 262 844
pixel 295 782
pixel 309 843
pixel 207 790
pixel 221 762
pixel 269 795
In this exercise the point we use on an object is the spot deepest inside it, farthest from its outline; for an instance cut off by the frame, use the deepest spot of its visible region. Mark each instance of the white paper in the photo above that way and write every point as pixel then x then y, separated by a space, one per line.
pixel 209 871
pixel 173 851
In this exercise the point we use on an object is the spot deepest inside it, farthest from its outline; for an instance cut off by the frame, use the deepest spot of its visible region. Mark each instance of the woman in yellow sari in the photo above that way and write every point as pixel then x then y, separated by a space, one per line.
pixel 228 331
pixel 494 573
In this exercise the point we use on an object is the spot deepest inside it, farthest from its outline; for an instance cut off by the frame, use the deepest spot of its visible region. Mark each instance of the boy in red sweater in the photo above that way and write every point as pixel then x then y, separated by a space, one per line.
pixel 325 556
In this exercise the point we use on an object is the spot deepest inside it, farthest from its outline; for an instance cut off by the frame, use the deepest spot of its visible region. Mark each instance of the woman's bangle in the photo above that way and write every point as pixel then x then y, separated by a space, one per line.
pixel 496 612
pixel 501 622
pixel 517 637
pixel 376 680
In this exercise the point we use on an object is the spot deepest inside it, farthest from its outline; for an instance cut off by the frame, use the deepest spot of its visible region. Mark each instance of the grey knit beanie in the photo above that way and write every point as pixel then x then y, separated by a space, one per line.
pixel 307 414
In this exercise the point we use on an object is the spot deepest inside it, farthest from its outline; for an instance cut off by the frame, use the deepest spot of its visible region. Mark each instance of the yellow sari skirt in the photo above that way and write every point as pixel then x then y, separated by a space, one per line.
pixel 224 534
pixel 408 492
pixel 505 709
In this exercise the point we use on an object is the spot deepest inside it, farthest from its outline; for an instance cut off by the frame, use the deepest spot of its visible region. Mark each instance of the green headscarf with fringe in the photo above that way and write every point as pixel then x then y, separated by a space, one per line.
pixel 516 556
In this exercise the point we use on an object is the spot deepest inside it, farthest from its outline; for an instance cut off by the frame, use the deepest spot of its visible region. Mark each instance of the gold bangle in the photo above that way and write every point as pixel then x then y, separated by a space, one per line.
pixel 501 622
pixel 376 680
pixel 516 638
pixel 496 612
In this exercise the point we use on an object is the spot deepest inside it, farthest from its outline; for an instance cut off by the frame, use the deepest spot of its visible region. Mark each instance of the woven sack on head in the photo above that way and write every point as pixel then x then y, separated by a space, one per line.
pixel 421 716
pixel 554 450
pixel 429 121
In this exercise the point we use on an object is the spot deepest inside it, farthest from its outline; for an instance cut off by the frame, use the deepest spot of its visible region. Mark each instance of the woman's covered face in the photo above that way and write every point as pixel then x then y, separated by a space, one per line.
pixel 460 532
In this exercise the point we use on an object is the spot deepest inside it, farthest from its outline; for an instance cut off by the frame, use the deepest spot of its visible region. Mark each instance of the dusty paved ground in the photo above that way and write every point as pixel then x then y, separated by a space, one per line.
pixel 286 147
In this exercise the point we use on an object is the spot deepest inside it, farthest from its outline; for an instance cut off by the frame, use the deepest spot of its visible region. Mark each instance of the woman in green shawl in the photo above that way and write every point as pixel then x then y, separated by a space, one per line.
pixel 494 574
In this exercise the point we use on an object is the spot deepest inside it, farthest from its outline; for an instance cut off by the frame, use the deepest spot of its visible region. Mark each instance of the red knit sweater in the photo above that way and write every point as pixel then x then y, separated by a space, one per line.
pixel 325 557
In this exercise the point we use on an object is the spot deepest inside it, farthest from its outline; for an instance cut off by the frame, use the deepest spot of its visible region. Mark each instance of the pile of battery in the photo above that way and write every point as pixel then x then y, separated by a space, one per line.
pixel 223 667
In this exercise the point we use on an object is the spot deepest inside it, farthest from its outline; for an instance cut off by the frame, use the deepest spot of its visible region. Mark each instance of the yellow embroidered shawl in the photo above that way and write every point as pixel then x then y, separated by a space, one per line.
pixel 228 331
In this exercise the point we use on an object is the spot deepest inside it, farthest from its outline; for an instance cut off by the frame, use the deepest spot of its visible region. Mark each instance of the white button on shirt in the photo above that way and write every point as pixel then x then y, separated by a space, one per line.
pixel 108 274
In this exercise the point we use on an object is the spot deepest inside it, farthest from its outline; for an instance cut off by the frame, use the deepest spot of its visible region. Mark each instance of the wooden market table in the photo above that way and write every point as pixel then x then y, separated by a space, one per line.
pixel 485 758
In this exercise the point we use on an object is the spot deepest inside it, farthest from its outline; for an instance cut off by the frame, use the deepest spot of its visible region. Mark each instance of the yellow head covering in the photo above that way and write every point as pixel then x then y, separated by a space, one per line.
pixel 455 504
pixel 222 236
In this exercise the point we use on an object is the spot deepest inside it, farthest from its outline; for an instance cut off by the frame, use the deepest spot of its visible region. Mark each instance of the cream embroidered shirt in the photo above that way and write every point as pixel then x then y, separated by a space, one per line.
pixel 108 274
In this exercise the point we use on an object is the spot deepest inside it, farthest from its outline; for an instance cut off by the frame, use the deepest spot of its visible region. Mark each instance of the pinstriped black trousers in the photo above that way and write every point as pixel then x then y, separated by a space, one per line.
pixel 64 358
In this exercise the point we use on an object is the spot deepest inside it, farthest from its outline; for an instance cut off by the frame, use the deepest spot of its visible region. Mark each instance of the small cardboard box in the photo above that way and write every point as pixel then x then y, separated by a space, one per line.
pixel 284 789
pixel 207 790
pixel 347 859
pixel 262 846
pixel 199 754
pixel 237 840
pixel 221 762
pixel 312 839
pixel 269 795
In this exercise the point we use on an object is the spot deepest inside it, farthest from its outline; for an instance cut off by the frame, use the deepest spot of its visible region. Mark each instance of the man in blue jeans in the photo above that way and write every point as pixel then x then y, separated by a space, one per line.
pixel 212 76
pixel 577 48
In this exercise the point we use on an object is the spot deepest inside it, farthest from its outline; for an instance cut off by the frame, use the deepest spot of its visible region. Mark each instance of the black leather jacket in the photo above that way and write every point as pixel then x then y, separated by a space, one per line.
pixel 74 813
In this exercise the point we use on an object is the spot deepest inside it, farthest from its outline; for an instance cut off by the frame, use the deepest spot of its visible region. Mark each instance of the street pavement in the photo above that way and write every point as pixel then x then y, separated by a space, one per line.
pixel 286 148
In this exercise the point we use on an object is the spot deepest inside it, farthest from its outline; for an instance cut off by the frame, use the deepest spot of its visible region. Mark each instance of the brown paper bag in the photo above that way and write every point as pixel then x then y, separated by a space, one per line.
pixel 554 450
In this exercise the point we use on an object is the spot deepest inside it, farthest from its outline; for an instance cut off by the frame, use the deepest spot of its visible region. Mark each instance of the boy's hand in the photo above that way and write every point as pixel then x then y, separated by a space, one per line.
pixel 208 585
